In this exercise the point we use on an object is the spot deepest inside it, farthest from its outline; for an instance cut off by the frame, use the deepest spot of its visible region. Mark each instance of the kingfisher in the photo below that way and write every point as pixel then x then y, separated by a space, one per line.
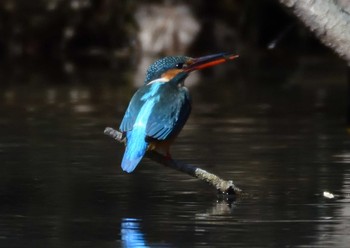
pixel 160 108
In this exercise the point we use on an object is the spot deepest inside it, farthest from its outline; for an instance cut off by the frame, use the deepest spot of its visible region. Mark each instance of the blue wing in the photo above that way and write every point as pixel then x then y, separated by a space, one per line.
pixel 136 144
pixel 132 111
pixel 169 115
pixel 144 94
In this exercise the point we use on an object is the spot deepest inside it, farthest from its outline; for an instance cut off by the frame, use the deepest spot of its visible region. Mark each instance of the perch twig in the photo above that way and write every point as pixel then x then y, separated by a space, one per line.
pixel 223 186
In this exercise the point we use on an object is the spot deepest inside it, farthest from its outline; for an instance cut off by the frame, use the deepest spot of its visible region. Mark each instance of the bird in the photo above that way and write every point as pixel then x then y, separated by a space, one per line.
pixel 159 109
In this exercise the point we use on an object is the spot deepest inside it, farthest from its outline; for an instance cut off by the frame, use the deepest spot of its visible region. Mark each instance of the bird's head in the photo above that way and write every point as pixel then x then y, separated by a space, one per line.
pixel 167 68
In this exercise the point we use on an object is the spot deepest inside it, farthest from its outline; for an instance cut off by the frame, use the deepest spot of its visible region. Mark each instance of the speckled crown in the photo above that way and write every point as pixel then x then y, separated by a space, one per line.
pixel 156 70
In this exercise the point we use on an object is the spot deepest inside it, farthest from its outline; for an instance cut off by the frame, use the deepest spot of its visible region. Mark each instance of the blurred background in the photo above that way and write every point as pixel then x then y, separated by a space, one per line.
pixel 105 43
pixel 273 120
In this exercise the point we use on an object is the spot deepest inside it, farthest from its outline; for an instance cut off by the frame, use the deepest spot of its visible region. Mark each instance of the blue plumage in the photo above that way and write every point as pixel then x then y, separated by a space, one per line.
pixel 157 111
pixel 160 108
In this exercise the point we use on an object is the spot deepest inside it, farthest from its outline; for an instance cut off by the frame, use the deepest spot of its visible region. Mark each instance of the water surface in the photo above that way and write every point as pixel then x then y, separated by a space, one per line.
pixel 62 186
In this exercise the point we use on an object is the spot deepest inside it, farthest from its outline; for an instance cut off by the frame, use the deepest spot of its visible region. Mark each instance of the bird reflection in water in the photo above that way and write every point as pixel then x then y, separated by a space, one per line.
pixel 130 233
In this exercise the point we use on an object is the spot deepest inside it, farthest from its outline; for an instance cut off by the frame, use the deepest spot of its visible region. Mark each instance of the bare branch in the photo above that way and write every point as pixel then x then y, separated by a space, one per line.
pixel 223 186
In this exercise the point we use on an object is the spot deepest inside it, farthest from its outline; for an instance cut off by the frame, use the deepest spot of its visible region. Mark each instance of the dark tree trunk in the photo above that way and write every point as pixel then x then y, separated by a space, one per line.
pixel 328 19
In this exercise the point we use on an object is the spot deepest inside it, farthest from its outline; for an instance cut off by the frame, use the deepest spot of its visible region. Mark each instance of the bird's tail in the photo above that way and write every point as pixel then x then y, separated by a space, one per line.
pixel 136 147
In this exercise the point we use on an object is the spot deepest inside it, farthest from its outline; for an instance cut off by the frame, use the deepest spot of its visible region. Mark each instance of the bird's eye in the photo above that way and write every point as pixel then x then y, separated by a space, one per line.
pixel 179 65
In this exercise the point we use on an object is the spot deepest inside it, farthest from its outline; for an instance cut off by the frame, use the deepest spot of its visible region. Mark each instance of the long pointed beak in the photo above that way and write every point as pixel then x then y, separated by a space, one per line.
pixel 209 61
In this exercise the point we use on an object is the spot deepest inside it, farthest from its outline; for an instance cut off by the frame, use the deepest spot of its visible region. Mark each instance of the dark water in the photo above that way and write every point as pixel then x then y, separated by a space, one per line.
pixel 61 183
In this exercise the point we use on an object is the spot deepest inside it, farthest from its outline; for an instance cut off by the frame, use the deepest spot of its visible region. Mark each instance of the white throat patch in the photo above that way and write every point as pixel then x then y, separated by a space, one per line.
pixel 158 80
